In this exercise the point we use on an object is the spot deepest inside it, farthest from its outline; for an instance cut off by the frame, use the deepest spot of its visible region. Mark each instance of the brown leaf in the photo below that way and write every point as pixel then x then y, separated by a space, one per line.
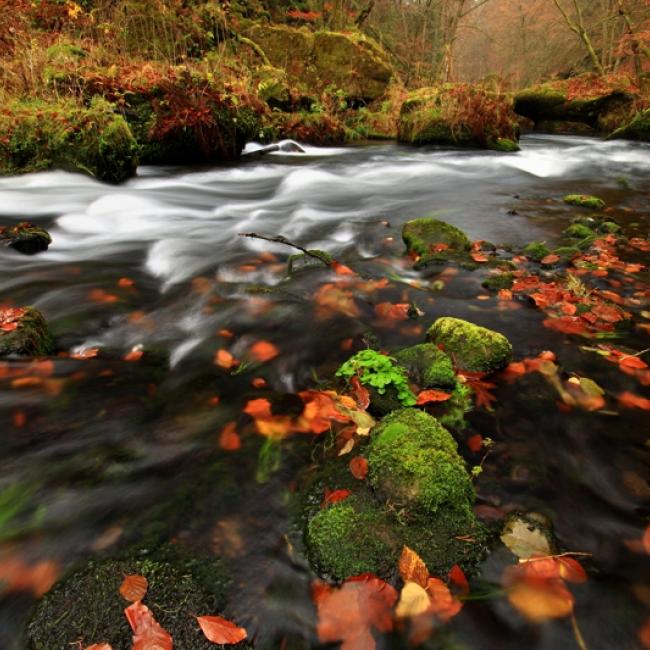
pixel 148 634
pixel 134 587
pixel 219 630
pixel 359 467
pixel 412 568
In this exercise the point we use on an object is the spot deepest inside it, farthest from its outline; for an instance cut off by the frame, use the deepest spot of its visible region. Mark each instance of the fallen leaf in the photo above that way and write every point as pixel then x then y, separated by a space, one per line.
pixel 443 603
pixel 632 401
pixel 229 437
pixel 263 351
pixel 134 587
pixel 457 577
pixel 525 539
pixel 540 600
pixel 412 568
pixel 334 496
pixel 18 576
pixel 360 393
pixel 220 630
pixel 148 634
pixel 428 396
pixel 389 311
pixel 413 600
pixel 99 646
pixel 224 359
pixel 359 467
pixel 349 613
pixel 550 259
pixel 475 443
pixel 479 257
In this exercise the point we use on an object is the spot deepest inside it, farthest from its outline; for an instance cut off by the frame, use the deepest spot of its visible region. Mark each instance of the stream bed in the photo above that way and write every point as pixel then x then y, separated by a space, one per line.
pixel 118 438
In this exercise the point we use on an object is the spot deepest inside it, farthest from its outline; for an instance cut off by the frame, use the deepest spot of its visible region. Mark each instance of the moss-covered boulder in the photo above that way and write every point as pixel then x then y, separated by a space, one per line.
pixel 63 135
pixel 24 332
pixel 427 365
pixel 599 103
pixel 324 61
pixel 25 237
pixel 86 605
pixel 585 201
pixel 474 348
pixel 536 250
pixel 458 116
pixel 636 129
pixel 413 463
pixel 351 537
pixel 429 239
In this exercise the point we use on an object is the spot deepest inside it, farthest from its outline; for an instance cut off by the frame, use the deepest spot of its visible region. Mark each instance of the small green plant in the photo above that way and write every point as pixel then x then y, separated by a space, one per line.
pixel 379 371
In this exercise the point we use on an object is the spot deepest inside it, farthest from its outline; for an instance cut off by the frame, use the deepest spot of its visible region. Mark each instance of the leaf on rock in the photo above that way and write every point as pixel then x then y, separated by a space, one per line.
pixel 525 539
pixel 148 634
pixel 428 396
pixel 220 630
pixel 412 567
pixel 134 587
pixel 359 467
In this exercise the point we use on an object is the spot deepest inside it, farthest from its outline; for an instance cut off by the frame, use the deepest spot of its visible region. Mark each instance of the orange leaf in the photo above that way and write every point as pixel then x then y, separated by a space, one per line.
pixel 359 467
pixel 147 632
pixel 443 603
pixel 479 257
pixel 550 259
pixel 219 630
pixel 263 351
pixel 341 269
pixel 258 382
pixel 229 438
pixel 412 568
pixel 457 577
pixel 258 408
pixel 389 311
pixel 334 496
pixel 125 282
pixel 540 600
pixel 18 576
pixel 632 401
pixel 134 587
pixel 632 361
pixel 428 396
pixel 99 646
pixel 224 359
pixel 349 613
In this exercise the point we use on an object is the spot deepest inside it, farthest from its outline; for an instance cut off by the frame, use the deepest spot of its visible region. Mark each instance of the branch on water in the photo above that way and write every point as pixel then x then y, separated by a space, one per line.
pixel 280 239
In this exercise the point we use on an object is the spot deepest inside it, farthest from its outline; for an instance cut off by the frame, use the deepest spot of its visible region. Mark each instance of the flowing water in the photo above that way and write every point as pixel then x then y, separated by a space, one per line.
pixel 94 449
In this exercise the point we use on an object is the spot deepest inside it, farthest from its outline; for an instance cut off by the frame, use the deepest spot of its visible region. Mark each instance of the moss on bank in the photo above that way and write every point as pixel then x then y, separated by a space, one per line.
pixel 636 129
pixel 38 136
pixel 30 338
pixel 86 606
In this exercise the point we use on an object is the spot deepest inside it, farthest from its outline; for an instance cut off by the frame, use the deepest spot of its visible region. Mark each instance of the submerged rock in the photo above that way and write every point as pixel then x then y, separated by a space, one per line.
pixel 585 201
pixel 26 238
pixel 433 240
pixel 86 606
pixel 474 348
pixel 24 332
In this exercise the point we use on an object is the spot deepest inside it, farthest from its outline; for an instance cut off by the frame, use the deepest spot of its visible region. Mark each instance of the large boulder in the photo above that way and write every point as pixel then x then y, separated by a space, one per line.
pixel 24 332
pixel 458 115
pixel 600 105
pixel 349 63
pixel 474 348
pixel 96 140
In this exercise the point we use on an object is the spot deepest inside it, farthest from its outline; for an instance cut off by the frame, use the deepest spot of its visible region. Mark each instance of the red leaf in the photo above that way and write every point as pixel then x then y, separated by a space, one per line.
pixel 219 630
pixel 359 467
pixel 550 259
pixel 147 632
pixel 360 393
pixel 263 351
pixel 229 437
pixel 389 311
pixel 334 496
pixel 134 587
pixel 475 443
pixel 341 269
pixel 458 578
pixel 632 362
pixel 428 396
pixel 632 401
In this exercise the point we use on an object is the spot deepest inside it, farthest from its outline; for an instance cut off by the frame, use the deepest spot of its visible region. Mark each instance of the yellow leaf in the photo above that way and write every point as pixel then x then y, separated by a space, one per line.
pixel 413 600
pixel 540 600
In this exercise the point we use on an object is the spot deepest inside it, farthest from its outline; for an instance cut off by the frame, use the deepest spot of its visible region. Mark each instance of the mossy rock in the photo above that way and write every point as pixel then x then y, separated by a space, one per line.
pixel 351 537
pixel 637 129
pixel 86 605
pixel 585 201
pixel 413 463
pixel 427 366
pixel 439 116
pixel 30 338
pixel 567 252
pixel 536 251
pixel 474 348
pixel 423 235
pixel 364 124
pixel 26 238
pixel 578 231
pixel 498 281
pixel 62 135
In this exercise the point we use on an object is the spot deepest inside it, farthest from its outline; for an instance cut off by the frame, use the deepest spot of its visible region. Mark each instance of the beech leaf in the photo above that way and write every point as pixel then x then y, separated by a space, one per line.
pixel 220 630
pixel 134 587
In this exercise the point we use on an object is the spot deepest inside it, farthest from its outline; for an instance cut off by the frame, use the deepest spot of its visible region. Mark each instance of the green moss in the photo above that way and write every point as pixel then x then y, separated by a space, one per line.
pixel 498 281
pixel 87 606
pixel 26 238
pixel 379 372
pixel 540 102
pixel 31 338
pixel 473 348
pixel 273 86
pixel 427 366
pixel 637 129
pixel 585 201
pixel 578 231
pixel 312 128
pixel 610 227
pixel 505 144
pixel 536 251
pixel 349 538
pixel 567 252
pixel 301 261
pixel 413 464
pixel 452 412
pixel 421 236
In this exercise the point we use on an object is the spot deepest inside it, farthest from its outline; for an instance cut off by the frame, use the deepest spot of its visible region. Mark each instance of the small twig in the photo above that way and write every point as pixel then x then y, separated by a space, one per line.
pixel 280 239
pixel 577 633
